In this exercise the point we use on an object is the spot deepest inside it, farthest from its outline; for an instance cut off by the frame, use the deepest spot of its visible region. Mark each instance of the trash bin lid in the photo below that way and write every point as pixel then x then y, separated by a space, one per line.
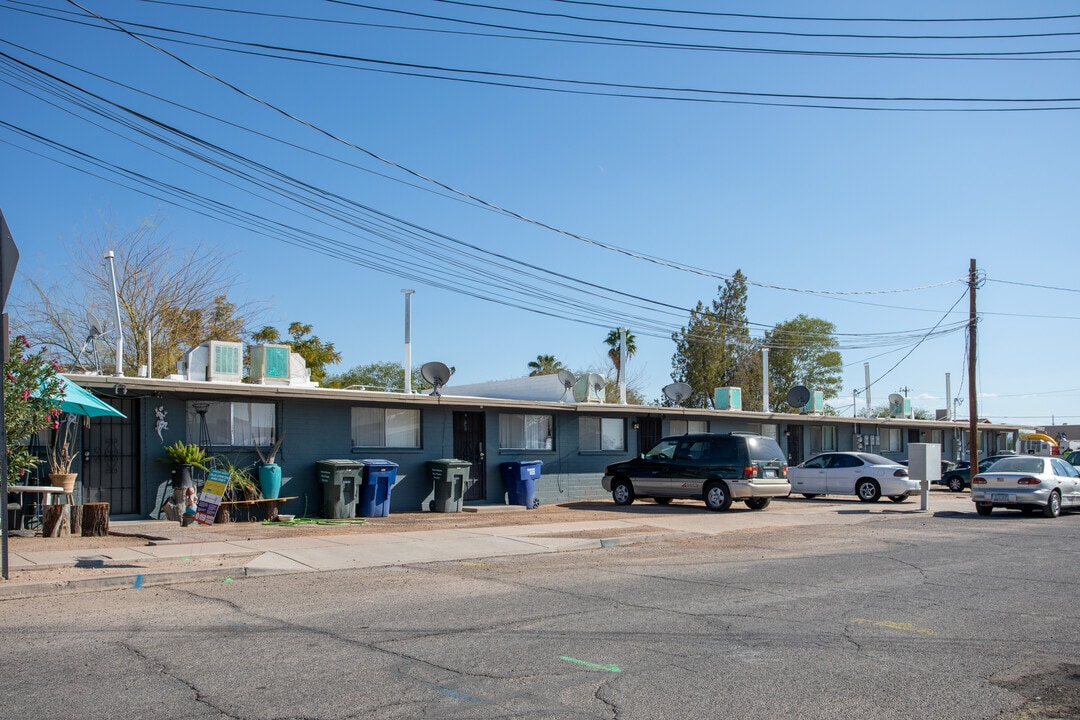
pixel 342 464
pixel 376 464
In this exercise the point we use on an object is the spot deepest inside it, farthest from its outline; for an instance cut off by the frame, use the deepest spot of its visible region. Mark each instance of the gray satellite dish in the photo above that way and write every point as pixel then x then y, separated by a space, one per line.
pixel 896 399
pixel 798 396
pixel 567 379
pixel 435 373
pixel 677 392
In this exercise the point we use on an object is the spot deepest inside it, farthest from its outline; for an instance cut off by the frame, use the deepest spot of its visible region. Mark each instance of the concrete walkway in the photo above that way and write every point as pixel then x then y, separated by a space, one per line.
pixel 142 565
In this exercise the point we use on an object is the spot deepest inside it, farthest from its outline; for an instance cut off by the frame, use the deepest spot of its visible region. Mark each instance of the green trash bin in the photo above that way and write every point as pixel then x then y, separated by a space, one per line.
pixel 448 476
pixel 340 480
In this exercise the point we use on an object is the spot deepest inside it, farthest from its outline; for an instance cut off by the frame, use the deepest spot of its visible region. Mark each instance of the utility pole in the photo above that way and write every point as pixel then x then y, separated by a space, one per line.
pixel 973 402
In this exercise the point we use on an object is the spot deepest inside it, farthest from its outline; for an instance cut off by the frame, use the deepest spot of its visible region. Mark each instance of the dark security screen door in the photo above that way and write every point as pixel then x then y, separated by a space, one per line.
pixel 110 460
pixel 469 445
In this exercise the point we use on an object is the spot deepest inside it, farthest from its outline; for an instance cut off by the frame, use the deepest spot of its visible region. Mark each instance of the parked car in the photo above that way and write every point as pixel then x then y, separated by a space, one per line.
pixel 1027 483
pixel 867 475
pixel 716 468
pixel 959 478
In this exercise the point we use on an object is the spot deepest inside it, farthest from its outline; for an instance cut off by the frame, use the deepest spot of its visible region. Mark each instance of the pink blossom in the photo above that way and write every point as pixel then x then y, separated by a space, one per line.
pixel 26 393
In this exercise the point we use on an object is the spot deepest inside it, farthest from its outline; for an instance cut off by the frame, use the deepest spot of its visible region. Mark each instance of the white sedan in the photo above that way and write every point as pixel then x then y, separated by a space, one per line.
pixel 866 475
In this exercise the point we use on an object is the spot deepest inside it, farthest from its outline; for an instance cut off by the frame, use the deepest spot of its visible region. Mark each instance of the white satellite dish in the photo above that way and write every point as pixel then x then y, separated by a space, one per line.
pixel 567 379
pixel 436 373
pixel 798 396
pixel 896 399
pixel 677 392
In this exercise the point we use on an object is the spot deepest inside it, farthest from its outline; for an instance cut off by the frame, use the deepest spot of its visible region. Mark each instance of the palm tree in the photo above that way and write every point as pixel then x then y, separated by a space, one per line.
pixel 544 365
pixel 615 350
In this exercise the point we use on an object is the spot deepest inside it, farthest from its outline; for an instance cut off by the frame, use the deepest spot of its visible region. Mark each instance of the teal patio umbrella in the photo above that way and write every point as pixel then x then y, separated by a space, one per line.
pixel 80 402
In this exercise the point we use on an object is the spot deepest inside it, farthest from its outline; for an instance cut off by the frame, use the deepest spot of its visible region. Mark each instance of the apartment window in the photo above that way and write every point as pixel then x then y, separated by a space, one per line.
pixel 385 427
pixel 937 437
pixel 822 439
pixel 890 440
pixel 525 432
pixel 769 430
pixel 682 427
pixel 231 424
pixel 596 433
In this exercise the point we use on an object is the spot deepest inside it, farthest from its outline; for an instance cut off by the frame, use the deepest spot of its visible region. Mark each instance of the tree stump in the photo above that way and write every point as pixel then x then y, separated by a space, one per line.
pixel 95 519
pixel 76 519
pixel 54 521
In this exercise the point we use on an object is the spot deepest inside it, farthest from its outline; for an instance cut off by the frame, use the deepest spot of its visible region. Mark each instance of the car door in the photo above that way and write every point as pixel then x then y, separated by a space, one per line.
pixel 651 475
pixel 809 478
pixel 1069 482
pixel 841 474
pixel 689 469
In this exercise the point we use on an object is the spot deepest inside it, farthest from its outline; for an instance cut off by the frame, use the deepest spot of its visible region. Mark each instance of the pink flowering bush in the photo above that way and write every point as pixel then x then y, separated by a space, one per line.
pixel 32 395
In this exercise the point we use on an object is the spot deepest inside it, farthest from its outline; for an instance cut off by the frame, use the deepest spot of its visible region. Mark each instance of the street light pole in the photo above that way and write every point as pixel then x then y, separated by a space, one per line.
pixel 408 340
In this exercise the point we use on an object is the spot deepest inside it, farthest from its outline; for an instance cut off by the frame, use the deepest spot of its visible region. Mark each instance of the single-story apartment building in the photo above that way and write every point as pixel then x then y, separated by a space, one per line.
pixel 574 439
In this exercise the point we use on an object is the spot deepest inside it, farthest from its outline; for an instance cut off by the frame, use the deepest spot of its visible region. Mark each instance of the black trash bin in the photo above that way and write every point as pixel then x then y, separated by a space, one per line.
pixel 341 482
pixel 520 478
pixel 379 478
pixel 448 476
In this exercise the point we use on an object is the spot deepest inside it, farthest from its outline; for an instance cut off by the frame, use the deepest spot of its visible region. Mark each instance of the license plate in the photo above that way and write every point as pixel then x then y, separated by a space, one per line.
pixel 770 473
pixel 999 497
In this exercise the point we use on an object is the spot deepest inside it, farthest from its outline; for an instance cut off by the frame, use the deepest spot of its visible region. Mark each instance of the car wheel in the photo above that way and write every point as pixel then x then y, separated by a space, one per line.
pixel 622 492
pixel 758 503
pixel 956 483
pixel 717 497
pixel 1053 505
pixel 662 500
pixel 868 491
pixel 809 496
pixel 984 509
pixel 898 498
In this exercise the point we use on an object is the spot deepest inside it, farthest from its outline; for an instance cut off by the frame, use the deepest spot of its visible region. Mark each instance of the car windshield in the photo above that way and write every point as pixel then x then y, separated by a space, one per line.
pixel 875 459
pixel 1019 464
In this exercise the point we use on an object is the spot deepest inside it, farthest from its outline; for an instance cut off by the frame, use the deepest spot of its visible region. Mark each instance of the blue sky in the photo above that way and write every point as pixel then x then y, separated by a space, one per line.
pixel 596 210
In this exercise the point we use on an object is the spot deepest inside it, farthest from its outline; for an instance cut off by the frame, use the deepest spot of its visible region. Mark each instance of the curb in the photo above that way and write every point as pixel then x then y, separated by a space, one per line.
pixel 133 581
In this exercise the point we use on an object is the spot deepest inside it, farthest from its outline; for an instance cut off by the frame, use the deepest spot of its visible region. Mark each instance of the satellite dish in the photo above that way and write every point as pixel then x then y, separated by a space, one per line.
pixel 677 392
pixel 896 399
pixel 567 379
pixel 94 330
pixel 798 396
pixel 435 373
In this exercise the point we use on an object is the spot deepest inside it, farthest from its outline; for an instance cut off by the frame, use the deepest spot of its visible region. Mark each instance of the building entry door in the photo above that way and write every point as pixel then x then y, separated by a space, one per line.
pixel 469 446
pixel 650 430
pixel 110 460
pixel 794 444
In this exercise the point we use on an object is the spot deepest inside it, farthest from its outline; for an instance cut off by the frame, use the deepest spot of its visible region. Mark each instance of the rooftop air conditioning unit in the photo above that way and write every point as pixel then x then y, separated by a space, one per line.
pixel 270 362
pixel 225 363
pixel 589 388
pixel 816 404
pixel 727 398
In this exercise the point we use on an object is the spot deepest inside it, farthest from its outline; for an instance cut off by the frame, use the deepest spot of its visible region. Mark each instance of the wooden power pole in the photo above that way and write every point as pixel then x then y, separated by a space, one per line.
pixel 973 402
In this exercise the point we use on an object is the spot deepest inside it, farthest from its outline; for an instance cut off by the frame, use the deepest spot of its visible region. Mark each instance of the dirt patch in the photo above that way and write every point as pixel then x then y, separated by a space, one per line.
pixel 1052 694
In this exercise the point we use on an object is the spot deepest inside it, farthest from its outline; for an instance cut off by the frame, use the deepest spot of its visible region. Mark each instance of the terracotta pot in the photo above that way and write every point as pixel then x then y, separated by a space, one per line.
pixel 63 480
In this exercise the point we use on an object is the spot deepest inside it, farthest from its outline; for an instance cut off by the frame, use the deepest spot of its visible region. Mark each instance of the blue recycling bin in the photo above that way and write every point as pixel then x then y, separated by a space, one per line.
pixel 520 479
pixel 379 478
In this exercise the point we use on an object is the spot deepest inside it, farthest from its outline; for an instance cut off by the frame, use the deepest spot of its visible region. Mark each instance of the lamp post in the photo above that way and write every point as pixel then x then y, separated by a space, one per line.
pixel 109 257
pixel 408 340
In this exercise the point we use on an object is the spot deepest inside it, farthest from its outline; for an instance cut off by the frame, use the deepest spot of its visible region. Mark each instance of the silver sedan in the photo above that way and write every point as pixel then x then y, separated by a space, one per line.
pixel 1027 483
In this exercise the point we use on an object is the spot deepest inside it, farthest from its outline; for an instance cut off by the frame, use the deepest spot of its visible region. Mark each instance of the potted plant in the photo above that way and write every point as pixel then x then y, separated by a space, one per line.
pixel 183 457
pixel 62 453
pixel 242 485
pixel 269 471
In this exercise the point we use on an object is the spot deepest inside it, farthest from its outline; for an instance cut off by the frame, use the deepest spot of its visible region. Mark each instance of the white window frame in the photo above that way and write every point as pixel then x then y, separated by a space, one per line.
pixel 601 434
pixel 685 427
pixel 382 427
pixel 822 439
pixel 233 424
pixel 769 430
pixel 526 431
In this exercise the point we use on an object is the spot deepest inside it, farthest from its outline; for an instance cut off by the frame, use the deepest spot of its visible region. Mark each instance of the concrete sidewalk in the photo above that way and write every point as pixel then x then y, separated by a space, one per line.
pixel 183 560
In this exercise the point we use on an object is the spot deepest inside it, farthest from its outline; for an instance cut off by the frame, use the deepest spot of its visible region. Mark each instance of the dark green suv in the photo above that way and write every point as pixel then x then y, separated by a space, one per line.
pixel 960 478
pixel 716 468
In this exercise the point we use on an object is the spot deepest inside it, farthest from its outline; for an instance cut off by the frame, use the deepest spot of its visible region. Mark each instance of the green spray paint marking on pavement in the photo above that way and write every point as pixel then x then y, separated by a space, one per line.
pixel 594 666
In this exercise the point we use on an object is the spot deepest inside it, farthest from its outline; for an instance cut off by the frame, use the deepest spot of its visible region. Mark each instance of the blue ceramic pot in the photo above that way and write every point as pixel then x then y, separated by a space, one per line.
pixel 270 481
